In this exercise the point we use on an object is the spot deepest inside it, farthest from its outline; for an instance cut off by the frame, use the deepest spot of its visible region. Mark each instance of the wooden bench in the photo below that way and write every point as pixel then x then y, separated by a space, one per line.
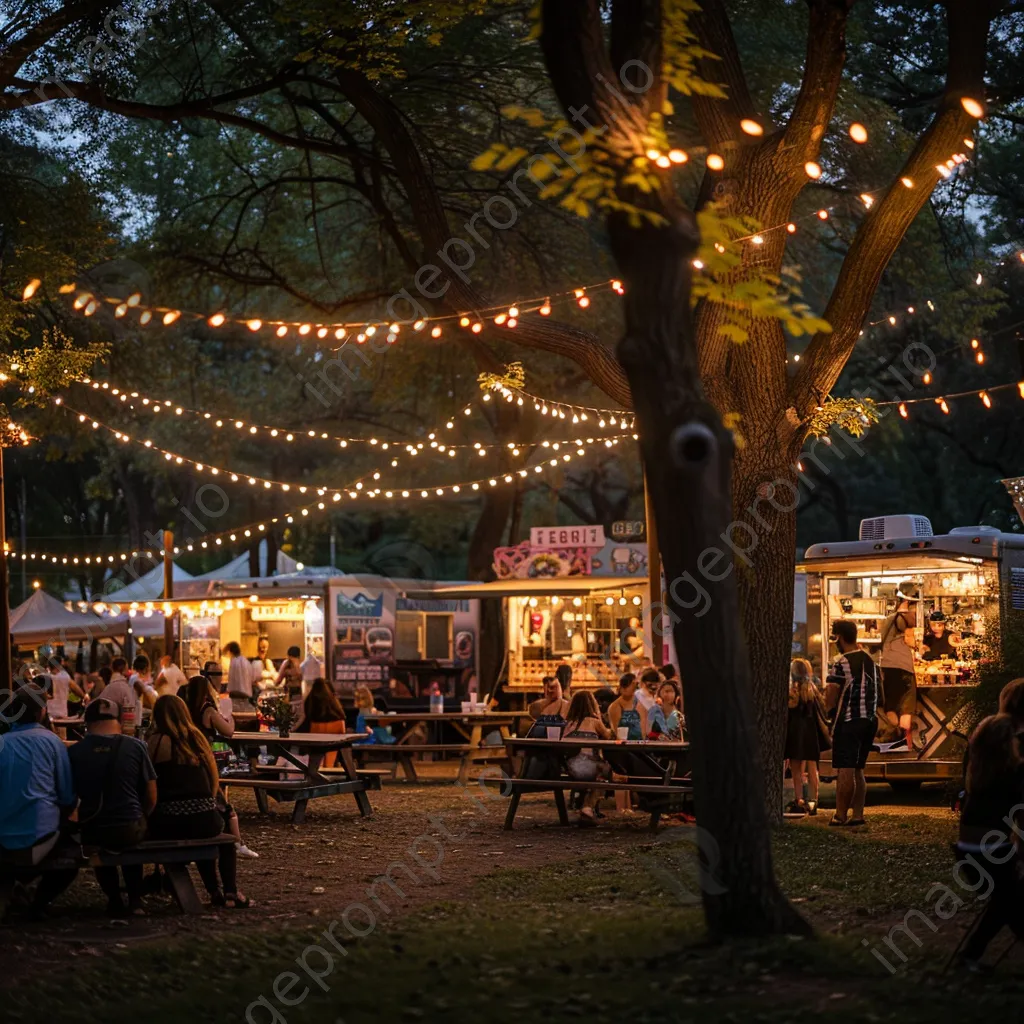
pixel 669 794
pixel 301 790
pixel 174 855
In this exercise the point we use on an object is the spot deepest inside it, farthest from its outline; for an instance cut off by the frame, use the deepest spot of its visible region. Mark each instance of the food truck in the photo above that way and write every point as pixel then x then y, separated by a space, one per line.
pixel 973 577
pixel 570 596
pixel 362 629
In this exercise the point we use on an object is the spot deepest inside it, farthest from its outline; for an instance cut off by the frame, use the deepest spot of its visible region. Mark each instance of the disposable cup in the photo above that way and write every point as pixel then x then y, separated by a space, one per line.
pixel 622 732
pixel 554 732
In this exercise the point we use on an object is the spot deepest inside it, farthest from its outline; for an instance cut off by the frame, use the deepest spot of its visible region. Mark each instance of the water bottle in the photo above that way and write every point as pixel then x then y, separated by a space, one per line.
pixel 436 700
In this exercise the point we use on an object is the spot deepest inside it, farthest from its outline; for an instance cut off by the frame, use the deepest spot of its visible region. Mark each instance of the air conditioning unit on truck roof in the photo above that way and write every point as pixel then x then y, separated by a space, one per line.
pixel 895 527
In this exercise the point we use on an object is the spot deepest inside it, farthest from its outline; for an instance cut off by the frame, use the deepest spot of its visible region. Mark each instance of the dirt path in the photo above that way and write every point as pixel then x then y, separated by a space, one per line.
pixel 313 872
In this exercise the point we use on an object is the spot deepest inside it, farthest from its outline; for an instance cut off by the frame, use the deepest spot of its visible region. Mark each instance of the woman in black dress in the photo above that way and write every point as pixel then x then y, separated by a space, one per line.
pixel 187 785
pixel 803 739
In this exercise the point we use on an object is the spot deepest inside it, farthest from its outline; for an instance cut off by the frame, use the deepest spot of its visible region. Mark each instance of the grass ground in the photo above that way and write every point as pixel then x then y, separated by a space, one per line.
pixel 586 924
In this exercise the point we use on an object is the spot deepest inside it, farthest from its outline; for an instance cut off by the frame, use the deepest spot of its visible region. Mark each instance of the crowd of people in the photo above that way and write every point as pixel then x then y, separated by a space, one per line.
pixel 112 789
pixel 648 706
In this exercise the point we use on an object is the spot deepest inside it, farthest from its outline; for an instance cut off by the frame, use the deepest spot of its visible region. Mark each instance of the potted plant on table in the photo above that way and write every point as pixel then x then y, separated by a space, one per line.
pixel 277 711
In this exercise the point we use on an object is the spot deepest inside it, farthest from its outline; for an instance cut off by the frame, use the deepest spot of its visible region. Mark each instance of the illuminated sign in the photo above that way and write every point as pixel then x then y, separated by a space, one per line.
pixel 289 611
pixel 567 537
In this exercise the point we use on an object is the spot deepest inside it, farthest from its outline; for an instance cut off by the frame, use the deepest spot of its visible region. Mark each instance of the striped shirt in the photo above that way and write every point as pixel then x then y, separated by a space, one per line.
pixel 857 674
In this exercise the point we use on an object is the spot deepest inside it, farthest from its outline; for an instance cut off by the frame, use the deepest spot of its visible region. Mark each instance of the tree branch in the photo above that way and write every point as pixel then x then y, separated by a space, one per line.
pixel 885 224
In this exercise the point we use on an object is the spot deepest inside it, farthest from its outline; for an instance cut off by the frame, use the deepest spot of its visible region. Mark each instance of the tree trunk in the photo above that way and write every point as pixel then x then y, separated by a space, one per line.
pixel 688 454
pixel 488 535
pixel 765 495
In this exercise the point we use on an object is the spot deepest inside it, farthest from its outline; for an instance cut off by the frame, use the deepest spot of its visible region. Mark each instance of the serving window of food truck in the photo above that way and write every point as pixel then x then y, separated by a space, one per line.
pixel 964 589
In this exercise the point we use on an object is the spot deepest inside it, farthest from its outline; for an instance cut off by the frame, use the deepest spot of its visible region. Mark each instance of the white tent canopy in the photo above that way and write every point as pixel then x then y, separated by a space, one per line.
pixel 42 619
pixel 238 568
pixel 149 587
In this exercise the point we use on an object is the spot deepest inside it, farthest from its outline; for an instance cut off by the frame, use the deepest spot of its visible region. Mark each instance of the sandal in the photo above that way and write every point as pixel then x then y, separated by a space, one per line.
pixel 237 901
pixel 834 822
pixel 854 822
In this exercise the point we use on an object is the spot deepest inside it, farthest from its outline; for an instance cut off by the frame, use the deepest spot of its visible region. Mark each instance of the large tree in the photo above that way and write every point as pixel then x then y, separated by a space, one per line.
pixel 355 85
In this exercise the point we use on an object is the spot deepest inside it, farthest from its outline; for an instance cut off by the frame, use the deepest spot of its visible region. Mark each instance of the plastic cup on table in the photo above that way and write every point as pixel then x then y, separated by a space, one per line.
pixel 554 732
pixel 622 732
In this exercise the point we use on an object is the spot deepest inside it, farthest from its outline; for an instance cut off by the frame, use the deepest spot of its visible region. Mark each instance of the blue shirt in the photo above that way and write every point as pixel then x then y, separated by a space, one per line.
pixel 35 782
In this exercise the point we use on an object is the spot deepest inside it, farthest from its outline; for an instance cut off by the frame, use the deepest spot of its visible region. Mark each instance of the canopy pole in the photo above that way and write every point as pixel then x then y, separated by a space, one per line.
pixel 168 591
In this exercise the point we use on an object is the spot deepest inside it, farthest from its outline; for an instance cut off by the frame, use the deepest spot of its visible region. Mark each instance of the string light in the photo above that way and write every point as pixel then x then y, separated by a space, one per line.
pixel 751 127
pixel 715 162
pixel 973 107
pixel 858 132
pixel 87 303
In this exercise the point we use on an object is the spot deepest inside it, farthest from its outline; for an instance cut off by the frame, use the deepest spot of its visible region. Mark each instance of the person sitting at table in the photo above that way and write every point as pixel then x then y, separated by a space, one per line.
pixel 991 814
pixel 584 720
pixel 322 713
pixel 116 784
pixel 551 709
pixel 647 690
pixel 187 787
pixel 564 676
pixel 204 710
pixel 625 712
pixel 363 700
pixel 36 794
pixel 664 718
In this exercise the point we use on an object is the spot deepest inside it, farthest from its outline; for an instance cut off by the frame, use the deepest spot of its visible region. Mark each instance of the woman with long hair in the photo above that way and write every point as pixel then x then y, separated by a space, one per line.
pixel 322 713
pixel 803 740
pixel 203 708
pixel 584 720
pixel 188 785
pixel 990 817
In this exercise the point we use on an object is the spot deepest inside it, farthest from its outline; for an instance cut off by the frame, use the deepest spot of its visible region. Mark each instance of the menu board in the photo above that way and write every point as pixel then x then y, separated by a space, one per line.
pixel 1017 589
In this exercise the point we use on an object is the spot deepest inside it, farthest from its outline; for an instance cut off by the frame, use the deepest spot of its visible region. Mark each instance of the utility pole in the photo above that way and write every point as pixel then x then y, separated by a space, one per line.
pixel 6 671
pixel 168 591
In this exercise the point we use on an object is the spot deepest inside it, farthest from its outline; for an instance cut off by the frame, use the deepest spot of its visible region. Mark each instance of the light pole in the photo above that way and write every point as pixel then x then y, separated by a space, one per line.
pixel 11 435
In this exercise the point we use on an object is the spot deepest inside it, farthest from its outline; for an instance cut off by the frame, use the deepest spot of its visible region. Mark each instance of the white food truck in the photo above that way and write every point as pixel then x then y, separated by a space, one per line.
pixel 973 576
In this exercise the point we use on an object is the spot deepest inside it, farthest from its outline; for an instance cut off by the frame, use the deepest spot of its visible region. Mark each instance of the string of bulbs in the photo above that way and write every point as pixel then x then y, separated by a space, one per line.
pixel 503 315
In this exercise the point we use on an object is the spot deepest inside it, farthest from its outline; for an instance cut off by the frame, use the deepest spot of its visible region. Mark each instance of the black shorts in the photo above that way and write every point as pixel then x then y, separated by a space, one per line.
pixel 851 743
pixel 899 691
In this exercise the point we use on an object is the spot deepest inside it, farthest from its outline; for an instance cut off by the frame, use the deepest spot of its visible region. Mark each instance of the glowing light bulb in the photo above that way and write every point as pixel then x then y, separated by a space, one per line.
pixel 464 321
pixel 867 200
pixel 677 156
pixel 30 289
pixel 980 358
pixel 715 162
pixel 216 320
pixel 583 301
pixel 281 331
pixel 791 228
pixel 698 264
pixel 653 154
pixel 812 169
pixel 435 332
pixel 751 127
pixel 858 132
pixel 927 378
pixel 903 410
pixel 477 327
pixel 985 400
pixel 907 182
pixel 254 325
pixel 304 329
pixel 757 240
pixel 973 107
pixel 663 162
pixel 823 215
pixel 545 310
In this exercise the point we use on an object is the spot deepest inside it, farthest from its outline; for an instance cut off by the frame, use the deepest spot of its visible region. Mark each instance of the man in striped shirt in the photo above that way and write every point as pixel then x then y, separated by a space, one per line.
pixel 852 689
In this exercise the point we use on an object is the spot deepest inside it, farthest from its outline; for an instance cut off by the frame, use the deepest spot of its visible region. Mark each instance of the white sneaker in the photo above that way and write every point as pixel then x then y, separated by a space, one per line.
pixel 243 851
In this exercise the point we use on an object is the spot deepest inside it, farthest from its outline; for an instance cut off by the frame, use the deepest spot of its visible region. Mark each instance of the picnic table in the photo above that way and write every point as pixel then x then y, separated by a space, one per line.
pixel 658 770
pixel 304 780
pixel 71 727
pixel 473 726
